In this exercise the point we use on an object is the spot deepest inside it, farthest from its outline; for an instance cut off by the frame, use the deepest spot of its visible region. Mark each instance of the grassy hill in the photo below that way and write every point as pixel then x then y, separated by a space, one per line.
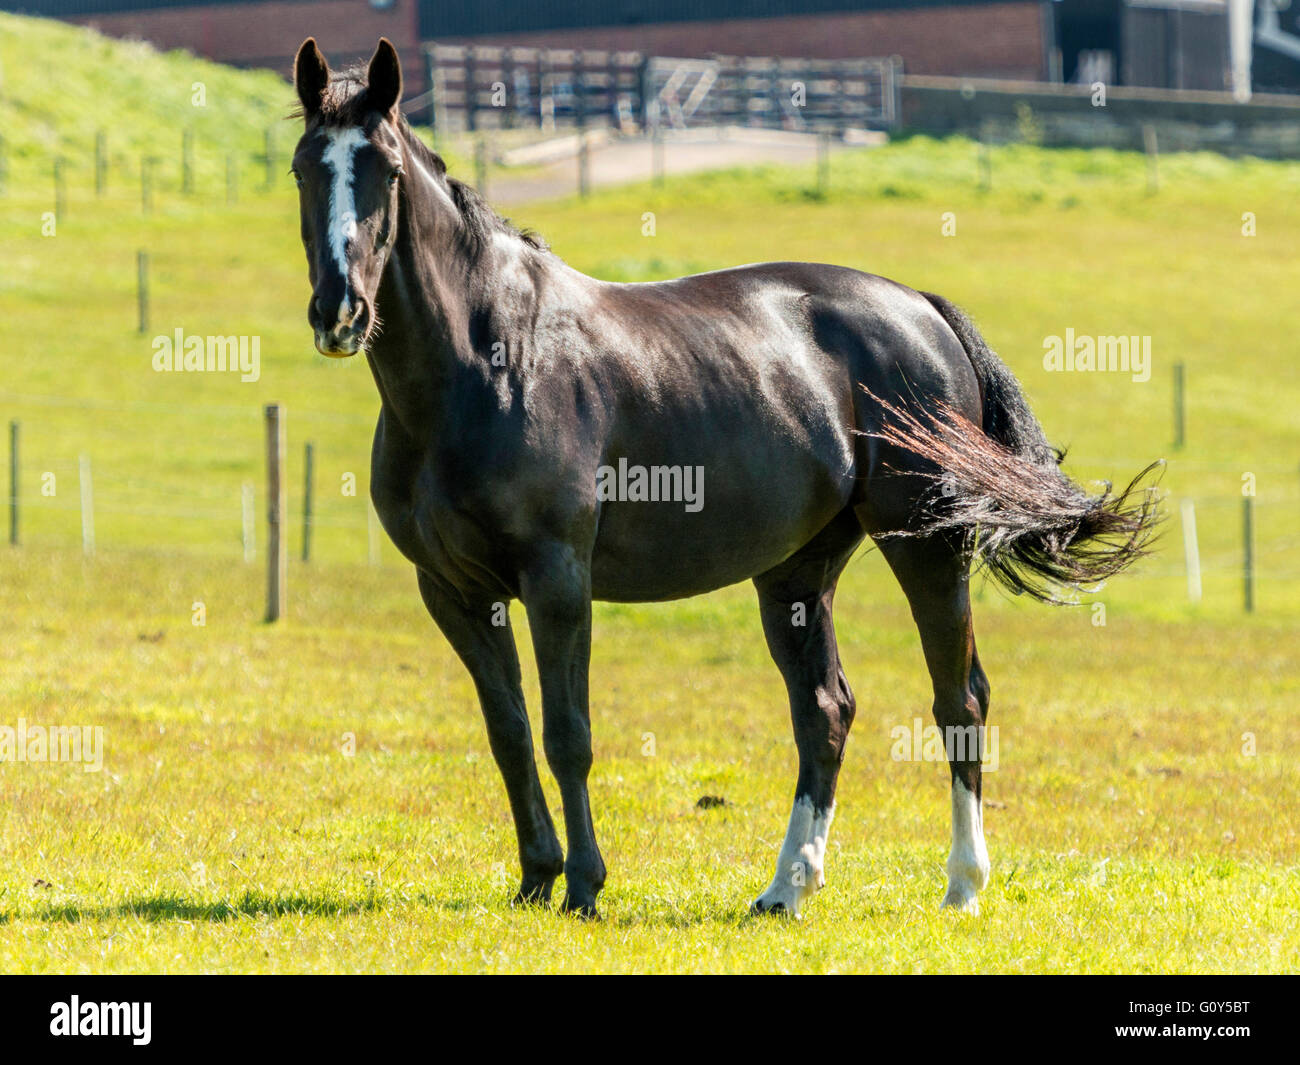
pixel 228 831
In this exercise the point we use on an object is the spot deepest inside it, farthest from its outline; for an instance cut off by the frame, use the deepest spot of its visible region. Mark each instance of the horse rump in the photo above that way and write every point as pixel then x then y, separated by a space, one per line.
pixel 999 486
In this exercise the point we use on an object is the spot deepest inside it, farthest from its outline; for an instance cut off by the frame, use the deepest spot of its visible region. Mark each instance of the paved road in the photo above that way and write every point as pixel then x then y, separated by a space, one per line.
pixel 629 160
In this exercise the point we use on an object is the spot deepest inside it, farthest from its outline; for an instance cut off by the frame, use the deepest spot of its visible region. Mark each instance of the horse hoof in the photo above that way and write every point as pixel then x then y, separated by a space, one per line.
pixel 533 892
pixel 525 899
pixel 960 903
pixel 585 911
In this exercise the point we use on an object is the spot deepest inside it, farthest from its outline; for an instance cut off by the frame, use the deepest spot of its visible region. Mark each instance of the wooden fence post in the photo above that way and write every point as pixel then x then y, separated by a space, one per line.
pixel 277 548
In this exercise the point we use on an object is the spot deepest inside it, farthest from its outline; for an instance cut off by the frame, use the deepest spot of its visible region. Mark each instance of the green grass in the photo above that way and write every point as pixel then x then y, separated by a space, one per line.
pixel 228 830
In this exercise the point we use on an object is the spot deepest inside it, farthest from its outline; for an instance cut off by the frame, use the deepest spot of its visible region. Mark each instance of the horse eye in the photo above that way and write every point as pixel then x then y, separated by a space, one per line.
pixel 297 177
pixel 394 175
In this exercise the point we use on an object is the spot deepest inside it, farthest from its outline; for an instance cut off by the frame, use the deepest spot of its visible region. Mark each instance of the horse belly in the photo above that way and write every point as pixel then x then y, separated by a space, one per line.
pixel 752 508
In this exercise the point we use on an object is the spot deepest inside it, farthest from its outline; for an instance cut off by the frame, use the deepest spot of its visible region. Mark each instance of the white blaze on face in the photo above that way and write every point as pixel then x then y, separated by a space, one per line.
pixel 968 861
pixel 340 154
pixel 800 867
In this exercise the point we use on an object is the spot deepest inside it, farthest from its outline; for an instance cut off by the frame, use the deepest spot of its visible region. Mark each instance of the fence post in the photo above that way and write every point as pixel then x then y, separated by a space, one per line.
pixel 142 290
pixel 1248 551
pixel 101 163
pixel 268 141
pixel 657 152
pixel 308 465
pixel 277 549
pixel 248 533
pixel 584 165
pixel 87 506
pixel 1180 404
pixel 14 431
pixel 823 164
pixel 1191 550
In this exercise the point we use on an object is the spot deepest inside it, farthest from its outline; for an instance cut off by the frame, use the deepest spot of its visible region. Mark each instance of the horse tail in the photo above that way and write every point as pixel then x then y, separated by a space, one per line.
pixel 1000 486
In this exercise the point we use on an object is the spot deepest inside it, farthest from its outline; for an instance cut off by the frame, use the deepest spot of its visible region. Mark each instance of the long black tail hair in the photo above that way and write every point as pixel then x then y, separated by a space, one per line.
pixel 999 485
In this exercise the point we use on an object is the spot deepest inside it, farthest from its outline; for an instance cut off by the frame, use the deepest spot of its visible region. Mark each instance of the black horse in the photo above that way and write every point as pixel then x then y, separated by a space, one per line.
pixel 545 436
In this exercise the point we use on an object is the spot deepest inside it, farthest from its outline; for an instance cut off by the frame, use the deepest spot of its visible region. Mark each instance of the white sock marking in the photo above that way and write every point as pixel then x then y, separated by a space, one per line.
pixel 968 861
pixel 800 867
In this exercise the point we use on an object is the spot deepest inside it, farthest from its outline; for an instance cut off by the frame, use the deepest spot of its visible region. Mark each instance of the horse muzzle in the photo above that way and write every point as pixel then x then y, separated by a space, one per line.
pixel 346 334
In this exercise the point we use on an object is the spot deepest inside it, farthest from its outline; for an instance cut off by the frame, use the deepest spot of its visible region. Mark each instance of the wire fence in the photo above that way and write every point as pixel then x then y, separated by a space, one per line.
pixel 1248 537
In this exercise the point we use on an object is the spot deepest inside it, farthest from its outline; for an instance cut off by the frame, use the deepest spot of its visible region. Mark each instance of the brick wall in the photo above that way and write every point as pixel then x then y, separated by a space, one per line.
pixel 268 34
pixel 988 40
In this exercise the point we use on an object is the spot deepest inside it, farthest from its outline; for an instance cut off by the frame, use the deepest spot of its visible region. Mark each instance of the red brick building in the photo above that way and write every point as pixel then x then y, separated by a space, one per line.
pixel 1165 43
pixel 993 38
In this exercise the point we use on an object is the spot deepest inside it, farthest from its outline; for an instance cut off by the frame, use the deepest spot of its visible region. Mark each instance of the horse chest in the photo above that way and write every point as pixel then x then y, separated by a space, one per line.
pixel 433 523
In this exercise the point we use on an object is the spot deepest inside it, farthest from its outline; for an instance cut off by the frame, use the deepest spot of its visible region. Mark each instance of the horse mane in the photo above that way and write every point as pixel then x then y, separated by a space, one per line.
pixel 345 102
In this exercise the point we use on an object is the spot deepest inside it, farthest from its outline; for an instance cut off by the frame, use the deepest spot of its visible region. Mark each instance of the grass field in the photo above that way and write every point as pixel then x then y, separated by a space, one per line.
pixel 1143 816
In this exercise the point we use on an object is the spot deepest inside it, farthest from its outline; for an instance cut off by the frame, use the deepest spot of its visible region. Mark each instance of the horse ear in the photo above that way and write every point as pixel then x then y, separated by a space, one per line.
pixel 311 74
pixel 384 79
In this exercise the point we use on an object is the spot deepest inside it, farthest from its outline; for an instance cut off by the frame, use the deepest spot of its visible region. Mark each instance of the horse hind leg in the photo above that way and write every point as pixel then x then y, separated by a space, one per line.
pixel 795 601
pixel 934 576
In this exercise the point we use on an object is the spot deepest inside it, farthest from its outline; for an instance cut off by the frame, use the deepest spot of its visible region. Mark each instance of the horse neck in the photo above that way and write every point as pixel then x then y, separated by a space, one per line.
pixel 436 286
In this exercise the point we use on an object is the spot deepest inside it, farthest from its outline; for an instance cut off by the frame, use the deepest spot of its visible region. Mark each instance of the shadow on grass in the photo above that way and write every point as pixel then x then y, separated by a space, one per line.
pixel 176 907
pixel 179 908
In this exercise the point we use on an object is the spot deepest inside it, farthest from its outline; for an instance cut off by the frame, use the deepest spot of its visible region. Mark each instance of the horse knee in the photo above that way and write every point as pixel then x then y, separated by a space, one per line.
pixel 836 704
pixel 979 686
pixel 568 750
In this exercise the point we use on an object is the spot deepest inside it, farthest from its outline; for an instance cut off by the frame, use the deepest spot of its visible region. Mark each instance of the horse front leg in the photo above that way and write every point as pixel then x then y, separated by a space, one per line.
pixel 487 647
pixel 556 591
